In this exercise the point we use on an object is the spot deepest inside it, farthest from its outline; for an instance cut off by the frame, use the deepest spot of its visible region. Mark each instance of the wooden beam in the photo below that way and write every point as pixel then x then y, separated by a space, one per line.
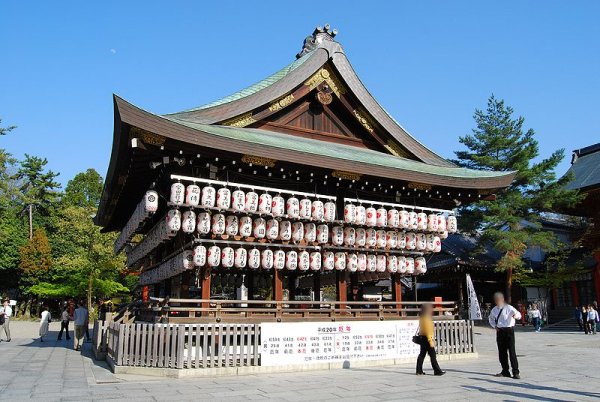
pixel 292 275
pixel 277 285
pixel 354 287
pixel 184 290
pixel 317 285
pixel 205 287
pixel 397 290
pixel 342 288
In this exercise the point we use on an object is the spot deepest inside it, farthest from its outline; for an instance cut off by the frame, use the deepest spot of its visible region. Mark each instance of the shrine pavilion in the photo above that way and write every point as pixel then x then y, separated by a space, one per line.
pixel 188 190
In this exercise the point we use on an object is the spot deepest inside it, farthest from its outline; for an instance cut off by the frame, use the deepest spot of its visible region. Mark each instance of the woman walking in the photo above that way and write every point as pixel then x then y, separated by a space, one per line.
pixel 584 317
pixel 44 323
pixel 536 317
pixel 426 341
pixel 592 317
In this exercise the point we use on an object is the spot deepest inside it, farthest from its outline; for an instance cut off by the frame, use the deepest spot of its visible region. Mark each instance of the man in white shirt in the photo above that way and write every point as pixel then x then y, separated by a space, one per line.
pixel 502 318
pixel 6 312
pixel 80 320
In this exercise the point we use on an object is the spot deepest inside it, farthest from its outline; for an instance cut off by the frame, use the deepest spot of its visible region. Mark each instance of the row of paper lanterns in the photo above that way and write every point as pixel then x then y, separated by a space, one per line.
pixel 305 208
pixel 165 229
pixel 145 208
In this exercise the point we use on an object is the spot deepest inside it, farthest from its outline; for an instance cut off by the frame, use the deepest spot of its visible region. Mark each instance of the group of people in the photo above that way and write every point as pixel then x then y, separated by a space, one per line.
pixel 588 318
pixel 502 318
pixel 79 316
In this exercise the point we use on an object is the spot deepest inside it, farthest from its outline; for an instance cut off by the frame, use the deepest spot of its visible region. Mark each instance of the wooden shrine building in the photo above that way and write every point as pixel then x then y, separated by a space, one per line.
pixel 308 136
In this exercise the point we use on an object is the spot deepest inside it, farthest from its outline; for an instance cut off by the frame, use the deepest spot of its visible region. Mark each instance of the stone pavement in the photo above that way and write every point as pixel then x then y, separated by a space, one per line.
pixel 555 366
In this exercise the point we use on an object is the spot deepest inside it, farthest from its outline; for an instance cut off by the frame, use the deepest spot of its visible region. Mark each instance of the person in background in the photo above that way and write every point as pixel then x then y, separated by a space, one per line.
pixel 584 319
pixel 6 313
pixel 592 319
pixel 579 317
pixel 427 342
pixel 80 320
pixel 45 320
pixel 64 323
pixel 523 311
pixel 536 317
pixel 502 318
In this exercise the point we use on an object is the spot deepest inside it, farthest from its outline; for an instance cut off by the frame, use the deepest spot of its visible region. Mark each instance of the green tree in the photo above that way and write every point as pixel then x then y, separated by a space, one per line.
pixel 35 261
pixel 512 222
pixel 84 190
pixel 37 187
pixel 6 130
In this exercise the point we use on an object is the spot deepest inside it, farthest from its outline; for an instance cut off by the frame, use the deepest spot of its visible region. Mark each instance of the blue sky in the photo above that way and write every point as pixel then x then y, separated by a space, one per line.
pixel 429 63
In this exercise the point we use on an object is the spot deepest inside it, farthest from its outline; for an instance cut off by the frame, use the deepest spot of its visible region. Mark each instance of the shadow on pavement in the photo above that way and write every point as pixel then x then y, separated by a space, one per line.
pixel 518 395
pixel 542 388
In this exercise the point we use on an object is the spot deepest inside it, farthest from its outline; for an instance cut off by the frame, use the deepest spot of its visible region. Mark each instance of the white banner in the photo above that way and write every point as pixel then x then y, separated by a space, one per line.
pixel 326 342
pixel 474 309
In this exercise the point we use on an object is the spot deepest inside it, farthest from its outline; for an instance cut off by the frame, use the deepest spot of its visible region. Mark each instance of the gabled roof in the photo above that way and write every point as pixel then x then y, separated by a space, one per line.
pixel 585 168
pixel 323 51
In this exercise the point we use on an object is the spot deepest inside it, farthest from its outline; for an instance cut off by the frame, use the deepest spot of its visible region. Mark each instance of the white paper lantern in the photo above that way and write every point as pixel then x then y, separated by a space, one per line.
pixel 209 194
pixel 213 256
pixel 349 213
pixel 371 237
pixel 430 242
pixel 371 262
pixel 421 242
pixel 349 236
pixel 188 259
pixel 188 222
pixel 251 204
pixel 381 217
pixel 352 262
pixel 218 224
pixel 259 228
pixel 393 218
pixel 310 232
pixel 329 211
pixel 381 263
pixel 420 265
pixel 437 242
pixel 401 264
pixel 322 234
pixel 328 260
pixel 432 223
pixel 279 259
pixel 380 237
pixel 421 221
pixel 361 215
pixel 272 229
pixel 265 203
pixel 441 223
pixel 362 262
pixel 232 225
pixel 173 220
pixel 404 221
pixel 224 198
pixel 297 231
pixel 340 261
pixel 303 260
pixel 254 258
pixel 151 201
pixel 443 235
pixel 409 263
pixel 245 226
pixel 337 235
pixel 291 260
pixel 266 261
pixel 285 230
pixel 293 207
pixel 278 206
pixel 413 220
pixel 203 223
pixel 192 195
pixel 391 237
pixel 401 241
pixel 305 208
pixel 177 194
pixel 199 255
pixel 361 237
pixel 411 241
pixel 451 224
pixel 392 264
pixel 227 257
pixel 371 219
pixel 315 261
pixel 238 200
pixel 241 257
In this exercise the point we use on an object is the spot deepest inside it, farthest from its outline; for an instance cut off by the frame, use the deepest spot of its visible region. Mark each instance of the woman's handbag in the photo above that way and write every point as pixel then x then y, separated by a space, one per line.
pixel 418 339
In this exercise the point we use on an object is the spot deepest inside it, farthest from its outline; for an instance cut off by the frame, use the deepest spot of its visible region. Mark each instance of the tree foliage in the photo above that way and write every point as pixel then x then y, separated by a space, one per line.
pixel 35 259
pixel 512 221
pixel 84 190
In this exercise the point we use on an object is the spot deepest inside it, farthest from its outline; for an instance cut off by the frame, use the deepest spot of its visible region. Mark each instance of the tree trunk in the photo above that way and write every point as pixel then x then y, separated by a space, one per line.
pixel 30 221
pixel 27 313
pixel 509 275
pixel 89 295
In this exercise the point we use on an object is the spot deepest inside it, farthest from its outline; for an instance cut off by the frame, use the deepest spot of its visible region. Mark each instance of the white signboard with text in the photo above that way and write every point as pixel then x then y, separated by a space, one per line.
pixel 327 342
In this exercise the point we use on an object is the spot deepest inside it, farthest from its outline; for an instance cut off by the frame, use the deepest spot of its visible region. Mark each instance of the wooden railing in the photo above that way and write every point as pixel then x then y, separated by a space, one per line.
pixel 198 346
pixel 206 311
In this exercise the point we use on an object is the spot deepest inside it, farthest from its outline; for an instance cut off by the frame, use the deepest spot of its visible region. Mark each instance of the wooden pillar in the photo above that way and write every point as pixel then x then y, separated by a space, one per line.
pixel 317 285
pixel 205 288
pixel 185 285
pixel 250 284
pixel 342 288
pixel 575 293
pixel 461 298
pixel 397 290
pixel 277 285
pixel 292 275
pixel 555 297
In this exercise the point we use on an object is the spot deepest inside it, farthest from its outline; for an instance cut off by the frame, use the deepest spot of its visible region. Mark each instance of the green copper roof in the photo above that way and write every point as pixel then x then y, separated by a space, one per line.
pixel 333 150
pixel 252 89
pixel 586 168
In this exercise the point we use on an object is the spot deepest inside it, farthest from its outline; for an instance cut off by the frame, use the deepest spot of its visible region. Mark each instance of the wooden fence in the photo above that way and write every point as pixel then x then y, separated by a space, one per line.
pixel 195 346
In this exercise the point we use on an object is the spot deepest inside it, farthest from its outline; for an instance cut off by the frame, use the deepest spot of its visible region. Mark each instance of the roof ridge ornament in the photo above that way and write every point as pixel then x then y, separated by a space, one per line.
pixel 318 36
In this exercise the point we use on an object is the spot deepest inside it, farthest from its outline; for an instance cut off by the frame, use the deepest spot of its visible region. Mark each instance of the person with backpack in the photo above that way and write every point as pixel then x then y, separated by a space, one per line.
pixel 502 319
